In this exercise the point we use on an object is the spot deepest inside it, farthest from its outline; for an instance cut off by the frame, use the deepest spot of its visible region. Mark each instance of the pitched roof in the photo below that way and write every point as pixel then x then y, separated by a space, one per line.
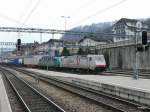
pixel 55 40
pixel 125 20
pixel 95 38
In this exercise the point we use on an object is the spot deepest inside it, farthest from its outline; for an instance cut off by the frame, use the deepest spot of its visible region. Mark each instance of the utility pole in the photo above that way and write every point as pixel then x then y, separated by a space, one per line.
pixel 52 35
pixel 65 18
pixel 40 37
pixel 136 72
pixel 2 50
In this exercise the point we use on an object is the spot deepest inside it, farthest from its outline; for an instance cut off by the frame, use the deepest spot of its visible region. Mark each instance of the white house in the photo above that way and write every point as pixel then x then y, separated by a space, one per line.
pixel 52 47
pixel 126 29
pixel 91 41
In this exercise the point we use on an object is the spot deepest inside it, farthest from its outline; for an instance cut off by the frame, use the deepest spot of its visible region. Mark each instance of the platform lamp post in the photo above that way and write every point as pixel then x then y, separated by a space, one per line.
pixel 136 71
pixel 65 18
pixel 40 37
pixel 136 74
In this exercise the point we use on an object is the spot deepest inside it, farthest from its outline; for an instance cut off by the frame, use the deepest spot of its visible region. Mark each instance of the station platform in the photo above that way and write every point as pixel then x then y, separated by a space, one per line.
pixel 4 101
pixel 126 87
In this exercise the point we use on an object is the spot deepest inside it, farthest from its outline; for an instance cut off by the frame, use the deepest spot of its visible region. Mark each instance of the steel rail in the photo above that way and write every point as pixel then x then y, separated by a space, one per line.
pixel 15 90
pixel 44 78
pixel 41 96
pixel 127 73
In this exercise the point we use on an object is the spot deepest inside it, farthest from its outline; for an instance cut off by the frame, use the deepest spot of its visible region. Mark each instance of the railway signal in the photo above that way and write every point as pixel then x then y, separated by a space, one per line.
pixel 18 44
pixel 144 37
pixel 143 46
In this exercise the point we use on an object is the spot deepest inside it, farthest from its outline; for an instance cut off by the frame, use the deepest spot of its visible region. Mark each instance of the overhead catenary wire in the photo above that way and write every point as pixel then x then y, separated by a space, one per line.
pixel 88 3
pixel 31 12
pixel 54 31
pixel 99 12
pixel 3 16
pixel 29 15
pixel 27 6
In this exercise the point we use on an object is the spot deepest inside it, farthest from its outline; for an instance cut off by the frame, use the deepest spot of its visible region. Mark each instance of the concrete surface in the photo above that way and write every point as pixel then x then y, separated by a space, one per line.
pixel 126 87
pixel 124 57
pixel 127 82
pixel 4 101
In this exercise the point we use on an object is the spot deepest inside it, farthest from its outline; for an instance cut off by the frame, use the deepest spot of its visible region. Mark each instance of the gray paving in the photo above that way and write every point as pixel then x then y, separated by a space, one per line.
pixel 4 102
pixel 126 82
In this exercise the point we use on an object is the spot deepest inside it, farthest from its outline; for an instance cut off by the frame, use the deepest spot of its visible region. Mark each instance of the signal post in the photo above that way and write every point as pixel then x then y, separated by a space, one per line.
pixel 140 48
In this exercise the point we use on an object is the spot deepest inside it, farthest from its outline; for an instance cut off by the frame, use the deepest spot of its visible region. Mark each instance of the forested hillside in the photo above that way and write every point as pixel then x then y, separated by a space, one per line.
pixel 105 27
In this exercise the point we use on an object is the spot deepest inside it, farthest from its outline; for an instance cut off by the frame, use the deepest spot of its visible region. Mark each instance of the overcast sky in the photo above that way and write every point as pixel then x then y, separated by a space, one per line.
pixel 47 14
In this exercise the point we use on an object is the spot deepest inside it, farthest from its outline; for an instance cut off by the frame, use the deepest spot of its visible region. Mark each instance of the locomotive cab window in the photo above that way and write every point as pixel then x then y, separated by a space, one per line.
pixel 98 58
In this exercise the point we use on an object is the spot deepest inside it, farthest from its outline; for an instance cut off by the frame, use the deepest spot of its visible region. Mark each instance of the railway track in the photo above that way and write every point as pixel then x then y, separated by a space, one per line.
pixel 30 98
pixel 115 103
pixel 127 73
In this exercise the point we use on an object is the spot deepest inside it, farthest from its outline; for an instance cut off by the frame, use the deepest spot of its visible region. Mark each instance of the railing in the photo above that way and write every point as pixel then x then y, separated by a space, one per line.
pixel 119 44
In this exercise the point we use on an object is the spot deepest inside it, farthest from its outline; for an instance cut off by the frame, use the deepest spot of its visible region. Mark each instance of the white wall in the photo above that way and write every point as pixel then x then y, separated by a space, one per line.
pixel 90 42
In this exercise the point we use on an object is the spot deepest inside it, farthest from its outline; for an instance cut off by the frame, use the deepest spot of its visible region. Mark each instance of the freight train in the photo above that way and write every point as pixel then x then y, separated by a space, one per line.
pixel 76 62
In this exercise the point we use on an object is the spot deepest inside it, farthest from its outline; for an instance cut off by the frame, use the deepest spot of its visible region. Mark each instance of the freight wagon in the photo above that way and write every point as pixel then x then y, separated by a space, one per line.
pixel 76 62
pixel 50 61
pixel 32 61
pixel 14 61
